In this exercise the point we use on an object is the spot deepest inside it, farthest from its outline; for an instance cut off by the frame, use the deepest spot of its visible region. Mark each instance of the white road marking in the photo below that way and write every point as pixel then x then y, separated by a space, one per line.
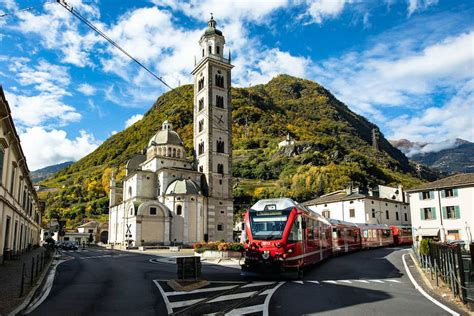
pixel 165 298
pixel 330 282
pixel 269 297
pixel 258 284
pixel 232 297
pixel 315 282
pixel 185 303
pixel 298 282
pixel 376 281
pixel 247 310
pixel 393 280
pixel 345 281
pixel 211 289
pixel 420 289
pixel 362 281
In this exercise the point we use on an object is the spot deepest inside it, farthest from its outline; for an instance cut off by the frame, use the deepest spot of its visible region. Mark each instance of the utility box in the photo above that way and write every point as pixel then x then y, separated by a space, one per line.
pixel 189 267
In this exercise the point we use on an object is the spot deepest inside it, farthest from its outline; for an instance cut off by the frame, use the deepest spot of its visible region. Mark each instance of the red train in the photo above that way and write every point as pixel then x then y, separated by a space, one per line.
pixel 283 236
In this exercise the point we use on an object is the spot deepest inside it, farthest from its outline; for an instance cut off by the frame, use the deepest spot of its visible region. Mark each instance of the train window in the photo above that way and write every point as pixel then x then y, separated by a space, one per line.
pixel 296 234
pixel 310 226
pixel 366 234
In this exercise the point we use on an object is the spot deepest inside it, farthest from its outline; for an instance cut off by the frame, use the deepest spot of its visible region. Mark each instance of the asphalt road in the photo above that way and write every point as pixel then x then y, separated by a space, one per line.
pixel 105 282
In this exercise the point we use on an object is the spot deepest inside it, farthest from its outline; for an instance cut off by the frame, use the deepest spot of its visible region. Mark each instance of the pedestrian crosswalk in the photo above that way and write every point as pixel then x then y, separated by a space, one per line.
pixel 223 298
pixel 347 282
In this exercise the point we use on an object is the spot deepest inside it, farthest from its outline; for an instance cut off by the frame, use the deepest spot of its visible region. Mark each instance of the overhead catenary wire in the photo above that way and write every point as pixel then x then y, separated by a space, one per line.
pixel 69 8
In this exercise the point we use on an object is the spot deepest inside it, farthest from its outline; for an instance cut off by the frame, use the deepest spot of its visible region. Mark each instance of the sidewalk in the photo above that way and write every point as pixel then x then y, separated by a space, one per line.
pixel 11 275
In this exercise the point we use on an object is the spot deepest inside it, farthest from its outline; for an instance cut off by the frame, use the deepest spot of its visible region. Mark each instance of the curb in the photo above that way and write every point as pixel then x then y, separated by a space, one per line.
pixel 421 272
pixel 32 292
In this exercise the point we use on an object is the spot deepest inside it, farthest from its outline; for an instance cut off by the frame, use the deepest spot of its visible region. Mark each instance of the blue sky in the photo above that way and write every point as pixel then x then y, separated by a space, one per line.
pixel 408 66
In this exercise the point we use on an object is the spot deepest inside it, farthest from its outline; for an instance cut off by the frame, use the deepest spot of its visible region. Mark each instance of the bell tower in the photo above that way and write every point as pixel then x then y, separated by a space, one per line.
pixel 213 131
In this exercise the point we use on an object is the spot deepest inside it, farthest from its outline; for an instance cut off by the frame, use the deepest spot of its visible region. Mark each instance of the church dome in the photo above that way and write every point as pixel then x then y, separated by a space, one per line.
pixel 211 30
pixel 166 136
pixel 183 186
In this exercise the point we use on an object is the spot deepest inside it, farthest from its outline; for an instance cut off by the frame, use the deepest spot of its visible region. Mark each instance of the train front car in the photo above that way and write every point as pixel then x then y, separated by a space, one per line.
pixel 274 230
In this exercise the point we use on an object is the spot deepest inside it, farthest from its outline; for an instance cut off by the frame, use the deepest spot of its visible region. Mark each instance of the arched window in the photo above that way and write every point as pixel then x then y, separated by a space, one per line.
pixel 203 52
pixel 201 104
pixel 220 146
pixel 169 152
pixel 210 49
pixel 178 153
pixel 218 50
pixel 220 168
pixel 201 148
pixel 179 210
pixel 200 84
pixel 174 152
pixel 220 101
pixel 2 155
pixel 220 81
pixel 201 125
pixel 129 192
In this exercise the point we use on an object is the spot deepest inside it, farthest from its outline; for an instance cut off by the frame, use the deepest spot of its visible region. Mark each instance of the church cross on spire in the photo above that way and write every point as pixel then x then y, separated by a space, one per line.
pixel 212 22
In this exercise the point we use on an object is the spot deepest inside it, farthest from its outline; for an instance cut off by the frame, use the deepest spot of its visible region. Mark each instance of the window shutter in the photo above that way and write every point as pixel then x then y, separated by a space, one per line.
pixel 443 193
pixel 458 211
pixel 455 192
pixel 431 194
pixel 422 213
pixel 420 195
pixel 433 212
pixel 445 213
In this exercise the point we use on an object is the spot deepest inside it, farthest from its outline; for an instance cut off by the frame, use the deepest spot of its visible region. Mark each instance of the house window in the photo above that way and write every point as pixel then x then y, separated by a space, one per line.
pixel 220 146
pixel 201 125
pixel 326 214
pixel 449 193
pixel 210 49
pixel 91 231
pixel 352 212
pixel 179 210
pixel 152 210
pixel 201 84
pixel 396 216
pixel 220 168
pixel 12 181
pixel 219 81
pixel 387 215
pixel 201 169
pixel 426 195
pixel 406 217
pixel 451 212
pixel 218 50
pixel 203 52
pixel 428 213
pixel 220 227
pixel 201 104
pixel 220 101
pixel 201 148
pixel 131 211
pixel 373 213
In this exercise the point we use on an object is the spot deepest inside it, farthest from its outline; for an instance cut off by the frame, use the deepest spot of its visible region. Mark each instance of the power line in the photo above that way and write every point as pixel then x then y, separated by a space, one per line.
pixel 108 39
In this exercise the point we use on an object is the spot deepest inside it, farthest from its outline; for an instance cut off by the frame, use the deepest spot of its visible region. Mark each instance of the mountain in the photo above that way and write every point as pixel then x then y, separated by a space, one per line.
pixel 333 147
pixel 448 157
pixel 43 173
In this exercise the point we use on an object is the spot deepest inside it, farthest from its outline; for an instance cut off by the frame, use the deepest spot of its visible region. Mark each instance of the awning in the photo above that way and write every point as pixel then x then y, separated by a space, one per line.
pixel 427 231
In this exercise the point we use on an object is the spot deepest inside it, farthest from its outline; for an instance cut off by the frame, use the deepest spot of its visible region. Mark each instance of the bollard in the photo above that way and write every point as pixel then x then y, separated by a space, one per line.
pixel 32 269
pixel 22 285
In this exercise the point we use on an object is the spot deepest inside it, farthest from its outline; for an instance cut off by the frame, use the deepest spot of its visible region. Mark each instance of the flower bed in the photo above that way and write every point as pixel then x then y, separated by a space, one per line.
pixel 219 249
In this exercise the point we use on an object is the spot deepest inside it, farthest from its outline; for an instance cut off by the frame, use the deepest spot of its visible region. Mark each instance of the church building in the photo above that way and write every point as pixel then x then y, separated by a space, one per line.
pixel 165 197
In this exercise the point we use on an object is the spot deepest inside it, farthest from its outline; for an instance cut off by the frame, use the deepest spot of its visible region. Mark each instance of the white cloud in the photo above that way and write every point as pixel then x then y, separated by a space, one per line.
pixel 418 5
pixel 135 118
pixel 41 109
pixel 44 147
pixel 325 9
pixel 86 89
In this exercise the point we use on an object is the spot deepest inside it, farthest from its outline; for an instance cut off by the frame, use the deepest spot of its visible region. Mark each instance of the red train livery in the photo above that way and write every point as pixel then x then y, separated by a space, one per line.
pixel 283 236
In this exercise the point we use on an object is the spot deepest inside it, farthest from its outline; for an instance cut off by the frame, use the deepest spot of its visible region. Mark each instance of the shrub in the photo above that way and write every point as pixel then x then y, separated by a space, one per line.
pixel 200 247
pixel 424 246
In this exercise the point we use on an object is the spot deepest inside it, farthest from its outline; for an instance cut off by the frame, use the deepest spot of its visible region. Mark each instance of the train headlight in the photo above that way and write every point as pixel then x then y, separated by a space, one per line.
pixel 290 250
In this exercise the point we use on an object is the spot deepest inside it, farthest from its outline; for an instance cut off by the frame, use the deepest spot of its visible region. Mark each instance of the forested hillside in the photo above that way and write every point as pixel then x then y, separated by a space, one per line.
pixel 333 147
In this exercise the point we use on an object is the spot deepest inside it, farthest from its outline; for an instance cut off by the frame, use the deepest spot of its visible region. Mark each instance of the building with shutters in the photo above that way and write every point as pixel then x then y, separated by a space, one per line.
pixel 20 209
pixel 166 197
pixel 380 205
pixel 444 208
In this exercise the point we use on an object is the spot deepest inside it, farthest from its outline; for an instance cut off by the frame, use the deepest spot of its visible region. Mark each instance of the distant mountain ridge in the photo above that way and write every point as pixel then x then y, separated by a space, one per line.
pixel 46 172
pixel 457 157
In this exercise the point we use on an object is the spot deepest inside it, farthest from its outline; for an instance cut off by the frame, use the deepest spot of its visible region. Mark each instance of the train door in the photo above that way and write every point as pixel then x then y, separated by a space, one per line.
pixel 380 236
pixel 312 244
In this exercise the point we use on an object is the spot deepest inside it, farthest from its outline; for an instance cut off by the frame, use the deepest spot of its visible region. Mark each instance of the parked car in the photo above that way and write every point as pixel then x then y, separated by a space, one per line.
pixel 70 246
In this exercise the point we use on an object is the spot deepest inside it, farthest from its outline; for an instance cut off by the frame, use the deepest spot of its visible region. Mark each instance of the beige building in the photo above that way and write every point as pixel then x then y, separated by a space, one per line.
pixel 444 208
pixel 165 197
pixel 20 211
pixel 381 205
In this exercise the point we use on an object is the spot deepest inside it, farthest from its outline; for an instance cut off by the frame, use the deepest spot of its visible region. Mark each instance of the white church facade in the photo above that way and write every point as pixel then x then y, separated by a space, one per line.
pixel 165 197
